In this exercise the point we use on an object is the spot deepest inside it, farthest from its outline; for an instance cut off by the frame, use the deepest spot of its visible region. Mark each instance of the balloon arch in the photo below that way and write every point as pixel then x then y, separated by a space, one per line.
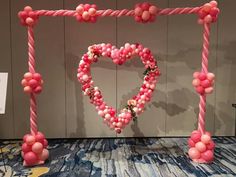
pixel 34 148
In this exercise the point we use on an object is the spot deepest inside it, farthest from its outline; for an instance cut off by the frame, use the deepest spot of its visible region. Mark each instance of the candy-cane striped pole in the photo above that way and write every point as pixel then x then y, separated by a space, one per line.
pixel 205 54
pixel 31 63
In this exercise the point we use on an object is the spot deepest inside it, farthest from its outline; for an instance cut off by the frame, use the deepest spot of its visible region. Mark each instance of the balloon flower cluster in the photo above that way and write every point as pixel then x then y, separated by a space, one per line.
pixel 208 13
pixel 28 17
pixel 32 83
pixel 34 150
pixel 86 13
pixel 135 106
pixel 145 12
pixel 203 83
pixel 201 147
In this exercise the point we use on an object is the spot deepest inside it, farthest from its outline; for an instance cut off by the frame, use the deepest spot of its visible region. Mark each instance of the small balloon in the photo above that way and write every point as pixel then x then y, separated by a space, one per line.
pixel 196 82
pixel 30 140
pixel 25 147
pixel 207 155
pixel 44 155
pixel 196 74
pixel 205 139
pixel 209 90
pixel 37 147
pixel 145 15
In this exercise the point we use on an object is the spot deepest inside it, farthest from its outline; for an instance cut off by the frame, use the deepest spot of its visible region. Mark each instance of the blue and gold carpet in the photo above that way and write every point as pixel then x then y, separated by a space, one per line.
pixel 131 157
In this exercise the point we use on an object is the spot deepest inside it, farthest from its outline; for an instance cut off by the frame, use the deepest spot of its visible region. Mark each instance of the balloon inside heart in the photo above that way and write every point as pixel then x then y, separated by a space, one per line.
pixel 135 105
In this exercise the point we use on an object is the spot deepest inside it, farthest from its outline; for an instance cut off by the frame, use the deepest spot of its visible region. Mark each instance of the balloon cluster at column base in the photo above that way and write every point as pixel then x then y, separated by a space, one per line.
pixel 201 147
pixel 208 13
pixel 34 149
pixel 32 83
pixel 145 12
pixel 203 82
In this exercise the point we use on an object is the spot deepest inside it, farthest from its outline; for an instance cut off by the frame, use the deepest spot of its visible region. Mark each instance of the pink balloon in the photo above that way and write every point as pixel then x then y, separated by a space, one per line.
pixel 209 90
pixel 200 89
pixel 200 21
pixel 28 8
pixel 207 155
pixel 30 140
pixel 196 82
pixel 39 137
pixel 33 83
pixel 194 153
pixel 207 7
pixel 205 139
pixel 200 146
pixel 196 137
pixel 25 136
pixel 214 11
pixel 37 76
pixel 118 130
pixel 205 83
pixel 191 143
pixel 202 76
pixel 208 133
pixel 79 9
pixel 214 3
pixel 44 155
pixel 145 15
pixel 30 158
pixel 25 147
pixel 38 89
pixel 37 147
pixel 211 145
pixel 196 74
pixel 145 6
pixel 45 143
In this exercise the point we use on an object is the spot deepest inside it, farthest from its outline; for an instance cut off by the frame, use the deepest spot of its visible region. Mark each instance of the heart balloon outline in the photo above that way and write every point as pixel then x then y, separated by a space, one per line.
pixel 135 105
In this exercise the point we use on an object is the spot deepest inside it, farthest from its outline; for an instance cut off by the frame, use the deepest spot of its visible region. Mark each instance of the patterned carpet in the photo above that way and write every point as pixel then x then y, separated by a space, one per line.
pixel 131 157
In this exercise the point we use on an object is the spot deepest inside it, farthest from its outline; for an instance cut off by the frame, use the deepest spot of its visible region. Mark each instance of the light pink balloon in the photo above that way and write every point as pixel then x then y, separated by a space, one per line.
pixel 85 15
pixel 27 89
pixel 210 76
pixel 209 90
pixel 200 146
pixel 138 11
pixel 208 19
pixel 92 11
pixel 145 15
pixel 153 10
pixel 194 153
pixel 205 139
pixel 44 155
pixel 196 82
pixel 79 9
pixel 28 76
pixel 196 74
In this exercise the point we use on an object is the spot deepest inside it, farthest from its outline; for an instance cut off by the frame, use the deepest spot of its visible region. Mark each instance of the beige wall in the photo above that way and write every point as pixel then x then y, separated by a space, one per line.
pixel 60 42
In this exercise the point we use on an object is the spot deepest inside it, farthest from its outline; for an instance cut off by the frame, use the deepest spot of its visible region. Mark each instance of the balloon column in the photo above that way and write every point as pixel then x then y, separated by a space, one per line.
pixel 201 148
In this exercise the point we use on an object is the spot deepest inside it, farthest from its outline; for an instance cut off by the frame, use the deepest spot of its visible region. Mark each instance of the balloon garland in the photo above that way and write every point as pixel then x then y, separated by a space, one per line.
pixel 201 146
pixel 135 106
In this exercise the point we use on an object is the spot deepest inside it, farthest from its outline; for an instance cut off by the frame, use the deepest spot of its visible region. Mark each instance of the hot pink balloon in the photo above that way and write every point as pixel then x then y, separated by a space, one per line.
pixel 200 89
pixel 207 155
pixel 25 147
pixel 202 76
pixel 30 158
pixel 205 83
pixel 194 153
pixel 196 137
pixel 211 145
pixel 191 143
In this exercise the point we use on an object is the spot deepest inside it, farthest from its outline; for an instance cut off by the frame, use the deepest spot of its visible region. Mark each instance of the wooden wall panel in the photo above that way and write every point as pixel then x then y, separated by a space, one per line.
pixel 7 119
pixel 226 70
pixel 184 58
pixel 49 38
pixel 82 119
pixel 130 75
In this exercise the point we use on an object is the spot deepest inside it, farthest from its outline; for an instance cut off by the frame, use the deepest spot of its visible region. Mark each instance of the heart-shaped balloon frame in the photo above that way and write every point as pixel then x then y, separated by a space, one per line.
pixel 134 106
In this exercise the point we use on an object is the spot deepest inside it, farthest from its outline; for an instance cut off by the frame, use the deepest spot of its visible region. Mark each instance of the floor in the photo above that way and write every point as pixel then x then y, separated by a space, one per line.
pixel 131 157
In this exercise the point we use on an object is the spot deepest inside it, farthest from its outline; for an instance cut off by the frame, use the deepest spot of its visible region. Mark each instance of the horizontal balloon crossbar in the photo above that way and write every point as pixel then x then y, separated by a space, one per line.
pixel 201 150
